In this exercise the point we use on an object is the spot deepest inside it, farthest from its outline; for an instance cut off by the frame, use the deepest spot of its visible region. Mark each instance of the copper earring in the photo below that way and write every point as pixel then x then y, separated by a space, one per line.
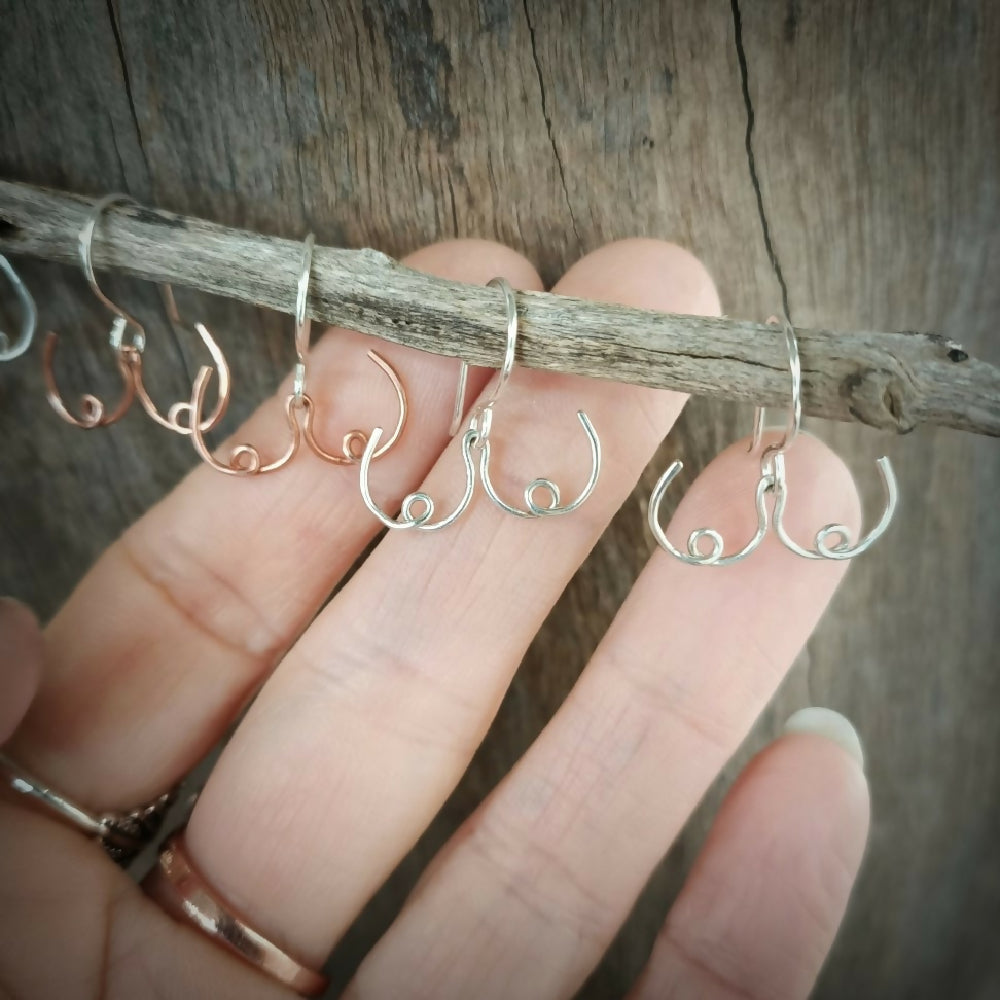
pixel 245 459
pixel 128 353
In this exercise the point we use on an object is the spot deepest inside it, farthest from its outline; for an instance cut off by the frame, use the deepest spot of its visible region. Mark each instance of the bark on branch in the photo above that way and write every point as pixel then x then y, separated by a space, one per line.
pixel 891 381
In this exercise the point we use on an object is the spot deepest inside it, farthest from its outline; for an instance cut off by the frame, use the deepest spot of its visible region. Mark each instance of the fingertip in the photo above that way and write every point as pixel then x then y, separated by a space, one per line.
pixel 820 759
pixel 646 274
pixel 15 613
pixel 474 262
pixel 814 776
pixel 21 648
pixel 765 898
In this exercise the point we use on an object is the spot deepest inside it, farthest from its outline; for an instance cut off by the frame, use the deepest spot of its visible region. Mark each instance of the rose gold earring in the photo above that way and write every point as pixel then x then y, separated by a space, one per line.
pixel 245 459
pixel 128 353
pixel 354 442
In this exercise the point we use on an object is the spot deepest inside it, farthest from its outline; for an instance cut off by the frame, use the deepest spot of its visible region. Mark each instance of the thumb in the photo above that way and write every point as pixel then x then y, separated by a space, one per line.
pixel 21 649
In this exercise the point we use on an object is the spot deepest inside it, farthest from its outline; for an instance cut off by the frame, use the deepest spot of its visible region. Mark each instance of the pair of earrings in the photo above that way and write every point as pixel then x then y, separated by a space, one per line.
pixel 127 339
pixel 832 542
pixel 417 509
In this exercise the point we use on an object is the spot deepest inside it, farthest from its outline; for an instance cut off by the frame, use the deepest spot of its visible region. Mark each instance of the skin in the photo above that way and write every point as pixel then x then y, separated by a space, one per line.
pixel 368 711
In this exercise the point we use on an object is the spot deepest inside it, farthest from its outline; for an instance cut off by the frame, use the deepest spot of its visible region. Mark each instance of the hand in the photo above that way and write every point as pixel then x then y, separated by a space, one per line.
pixel 372 707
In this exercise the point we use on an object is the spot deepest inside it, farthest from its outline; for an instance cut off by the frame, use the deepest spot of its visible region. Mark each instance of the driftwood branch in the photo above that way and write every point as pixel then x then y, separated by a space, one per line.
pixel 892 381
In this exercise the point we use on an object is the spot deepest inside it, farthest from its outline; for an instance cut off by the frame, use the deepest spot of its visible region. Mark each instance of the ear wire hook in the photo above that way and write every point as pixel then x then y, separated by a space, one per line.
pixel 482 422
pixel 128 353
pixel 794 424
pixel 833 541
pixel 354 442
pixel 29 315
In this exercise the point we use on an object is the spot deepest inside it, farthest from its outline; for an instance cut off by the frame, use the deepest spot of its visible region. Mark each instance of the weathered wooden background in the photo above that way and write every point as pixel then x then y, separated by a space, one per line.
pixel 872 180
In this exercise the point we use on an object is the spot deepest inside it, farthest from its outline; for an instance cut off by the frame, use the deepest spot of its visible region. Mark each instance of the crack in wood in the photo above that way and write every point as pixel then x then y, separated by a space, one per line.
pixel 548 127
pixel 129 96
pixel 168 323
pixel 772 254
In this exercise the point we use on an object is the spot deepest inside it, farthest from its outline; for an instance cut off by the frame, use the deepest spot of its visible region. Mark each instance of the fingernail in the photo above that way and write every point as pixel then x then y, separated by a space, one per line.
pixel 830 725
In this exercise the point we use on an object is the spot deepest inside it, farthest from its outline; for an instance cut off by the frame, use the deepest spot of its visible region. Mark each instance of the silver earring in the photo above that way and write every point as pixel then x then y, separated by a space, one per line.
pixel 417 509
pixel 29 316
pixel 695 555
pixel 833 541
pixel 481 422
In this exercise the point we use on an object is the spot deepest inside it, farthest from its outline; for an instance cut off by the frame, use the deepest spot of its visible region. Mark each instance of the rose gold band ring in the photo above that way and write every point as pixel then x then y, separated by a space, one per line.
pixel 122 835
pixel 183 892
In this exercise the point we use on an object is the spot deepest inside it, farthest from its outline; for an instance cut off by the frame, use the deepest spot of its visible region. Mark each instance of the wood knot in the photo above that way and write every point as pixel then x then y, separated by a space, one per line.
pixel 877 398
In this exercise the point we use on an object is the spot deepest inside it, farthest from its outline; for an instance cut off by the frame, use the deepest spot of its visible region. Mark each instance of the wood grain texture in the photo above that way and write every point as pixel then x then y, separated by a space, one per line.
pixel 911 110
pixel 556 127
pixel 890 381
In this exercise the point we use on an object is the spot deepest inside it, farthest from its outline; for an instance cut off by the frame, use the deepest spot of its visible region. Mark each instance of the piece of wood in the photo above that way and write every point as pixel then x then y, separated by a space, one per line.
pixel 891 381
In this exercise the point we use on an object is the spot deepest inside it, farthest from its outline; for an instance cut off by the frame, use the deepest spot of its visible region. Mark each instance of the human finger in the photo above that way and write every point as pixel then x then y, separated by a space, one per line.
pixel 365 728
pixel 761 907
pixel 529 893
